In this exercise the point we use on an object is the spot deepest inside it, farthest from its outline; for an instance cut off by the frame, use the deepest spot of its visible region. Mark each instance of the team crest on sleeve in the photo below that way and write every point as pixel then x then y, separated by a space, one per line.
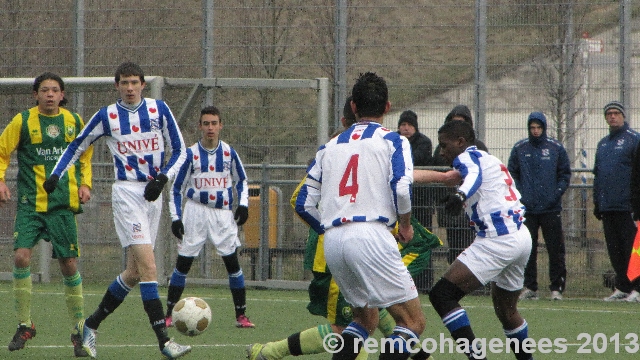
pixel 155 123
pixel 226 165
pixel 53 131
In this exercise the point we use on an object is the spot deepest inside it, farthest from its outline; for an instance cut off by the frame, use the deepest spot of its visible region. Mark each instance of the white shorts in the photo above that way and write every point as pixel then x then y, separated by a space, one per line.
pixel 201 223
pixel 501 259
pixel 136 219
pixel 366 264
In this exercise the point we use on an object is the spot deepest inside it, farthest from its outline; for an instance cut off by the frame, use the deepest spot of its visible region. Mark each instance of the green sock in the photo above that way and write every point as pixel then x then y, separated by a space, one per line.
pixel 386 323
pixel 311 339
pixel 73 298
pixel 304 343
pixel 22 294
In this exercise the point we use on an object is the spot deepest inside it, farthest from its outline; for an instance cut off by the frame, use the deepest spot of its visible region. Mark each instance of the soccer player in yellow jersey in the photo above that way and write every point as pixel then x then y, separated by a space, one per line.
pixel 39 135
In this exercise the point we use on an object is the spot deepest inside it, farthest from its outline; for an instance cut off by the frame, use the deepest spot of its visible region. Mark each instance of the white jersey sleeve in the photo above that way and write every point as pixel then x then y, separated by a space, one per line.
pixel 493 202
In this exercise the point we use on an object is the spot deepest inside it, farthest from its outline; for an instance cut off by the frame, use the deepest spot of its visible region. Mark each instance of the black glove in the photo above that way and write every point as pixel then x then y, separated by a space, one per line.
pixel 154 187
pixel 50 184
pixel 241 215
pixel 453 203
pixel 597 213
pixel 177 228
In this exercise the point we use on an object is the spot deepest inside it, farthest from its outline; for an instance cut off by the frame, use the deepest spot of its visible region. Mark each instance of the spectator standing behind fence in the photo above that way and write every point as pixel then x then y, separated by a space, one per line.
pixel 207 179
pixel 541 171
pixel 421 147
pixel 612 196
pixel 39 135
pixel 136 130
pixel 459 233
pixel 422 203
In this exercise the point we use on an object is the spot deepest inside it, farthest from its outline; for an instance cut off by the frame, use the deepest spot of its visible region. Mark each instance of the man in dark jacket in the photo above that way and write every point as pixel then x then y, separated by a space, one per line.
pixel 612 196
pixel 422 207
pixel 459 234
pixel 421 151
pixel 541 170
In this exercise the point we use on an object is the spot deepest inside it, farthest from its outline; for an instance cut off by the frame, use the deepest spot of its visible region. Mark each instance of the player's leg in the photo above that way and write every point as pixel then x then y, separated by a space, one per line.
pixel 410 323
pixel 505 289
pixel 196 223
pixel 505 305
pixel 237 287
pixel 223 232
pixel 445 297
pixel 177 283
pixel 27 227
pixel 530 292
pixel 326 300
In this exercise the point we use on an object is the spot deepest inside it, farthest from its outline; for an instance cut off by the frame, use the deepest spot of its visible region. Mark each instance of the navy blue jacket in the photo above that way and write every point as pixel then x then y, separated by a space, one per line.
pixel 612 169
pixel 541 170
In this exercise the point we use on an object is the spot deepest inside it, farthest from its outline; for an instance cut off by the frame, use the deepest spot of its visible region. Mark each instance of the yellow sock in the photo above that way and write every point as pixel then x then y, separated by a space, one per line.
pixel 311 339
pixel 386 323
pixel 73 298
pixel 363 355
pixel 308 342
pixel 22 294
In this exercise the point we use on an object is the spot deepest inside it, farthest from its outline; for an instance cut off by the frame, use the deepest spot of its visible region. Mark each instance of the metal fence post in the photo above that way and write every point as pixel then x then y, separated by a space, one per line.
pixel 264 254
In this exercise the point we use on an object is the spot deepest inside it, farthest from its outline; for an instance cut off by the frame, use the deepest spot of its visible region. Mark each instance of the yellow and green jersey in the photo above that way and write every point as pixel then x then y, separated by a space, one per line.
pixel 39 141
pixel 415 254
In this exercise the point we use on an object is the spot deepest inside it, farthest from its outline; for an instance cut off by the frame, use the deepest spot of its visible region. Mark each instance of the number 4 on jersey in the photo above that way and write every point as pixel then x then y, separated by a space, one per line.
pixel 349 181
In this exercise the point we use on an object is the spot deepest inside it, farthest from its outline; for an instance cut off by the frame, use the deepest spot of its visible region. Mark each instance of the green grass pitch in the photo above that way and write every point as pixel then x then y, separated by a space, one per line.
pixel 126 334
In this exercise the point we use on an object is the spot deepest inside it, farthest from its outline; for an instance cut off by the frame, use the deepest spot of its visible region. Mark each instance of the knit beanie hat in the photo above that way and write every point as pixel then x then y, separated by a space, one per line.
pixel 410 118
pixel 462 111
pixel 615 105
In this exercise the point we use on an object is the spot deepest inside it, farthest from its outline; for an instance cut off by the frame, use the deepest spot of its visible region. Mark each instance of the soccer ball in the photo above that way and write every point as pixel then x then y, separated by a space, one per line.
pixel 191 316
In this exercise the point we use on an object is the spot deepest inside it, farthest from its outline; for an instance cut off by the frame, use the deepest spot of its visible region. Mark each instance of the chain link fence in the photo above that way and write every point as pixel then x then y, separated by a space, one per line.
pixel 502 58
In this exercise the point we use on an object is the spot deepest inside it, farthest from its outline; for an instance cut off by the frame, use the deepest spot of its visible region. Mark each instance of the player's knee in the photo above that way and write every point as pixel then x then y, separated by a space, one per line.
pixel 231 262
pixel 183 264
pixel 445 296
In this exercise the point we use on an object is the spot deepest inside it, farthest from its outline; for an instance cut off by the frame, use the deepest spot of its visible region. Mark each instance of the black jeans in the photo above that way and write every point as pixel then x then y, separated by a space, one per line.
pixel 551 224
pixel 619 233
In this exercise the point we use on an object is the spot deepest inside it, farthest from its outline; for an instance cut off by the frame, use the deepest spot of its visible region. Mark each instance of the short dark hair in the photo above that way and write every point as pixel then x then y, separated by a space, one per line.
pixel 370 94
pixel 347 113
pixel 129 69
pixel 457 129
pixel 209 110
pixel 49 76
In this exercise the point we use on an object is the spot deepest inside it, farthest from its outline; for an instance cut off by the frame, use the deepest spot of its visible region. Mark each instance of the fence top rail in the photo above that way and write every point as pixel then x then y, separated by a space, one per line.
pixel 10 86
pixel 244 83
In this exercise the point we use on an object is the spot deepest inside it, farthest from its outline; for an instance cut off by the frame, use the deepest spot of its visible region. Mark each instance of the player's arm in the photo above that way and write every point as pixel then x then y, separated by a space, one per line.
pixel 178 187
pixel 9 140
pixel 306 204
pixel 449 178
pixel 470 172
pixel 173 136
pixel 86 173
pixel 80 145
pixel 239 176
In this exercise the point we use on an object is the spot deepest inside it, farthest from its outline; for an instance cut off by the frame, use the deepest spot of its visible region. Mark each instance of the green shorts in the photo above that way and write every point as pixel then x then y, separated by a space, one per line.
pixel 59 228
pixel 326 300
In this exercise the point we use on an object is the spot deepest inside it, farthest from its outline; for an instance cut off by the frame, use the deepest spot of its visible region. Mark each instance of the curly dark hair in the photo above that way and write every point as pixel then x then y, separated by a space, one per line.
pixel 49 76
pixel 370 94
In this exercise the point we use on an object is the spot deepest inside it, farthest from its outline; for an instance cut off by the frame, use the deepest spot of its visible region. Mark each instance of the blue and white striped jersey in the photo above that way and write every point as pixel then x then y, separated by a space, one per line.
pixel 208 177
pixel 363 174
pixel 493 202
pixel 136 139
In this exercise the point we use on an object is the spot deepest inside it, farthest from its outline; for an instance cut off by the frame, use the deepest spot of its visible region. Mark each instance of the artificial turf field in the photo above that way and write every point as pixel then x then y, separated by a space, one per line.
pixel 126 334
